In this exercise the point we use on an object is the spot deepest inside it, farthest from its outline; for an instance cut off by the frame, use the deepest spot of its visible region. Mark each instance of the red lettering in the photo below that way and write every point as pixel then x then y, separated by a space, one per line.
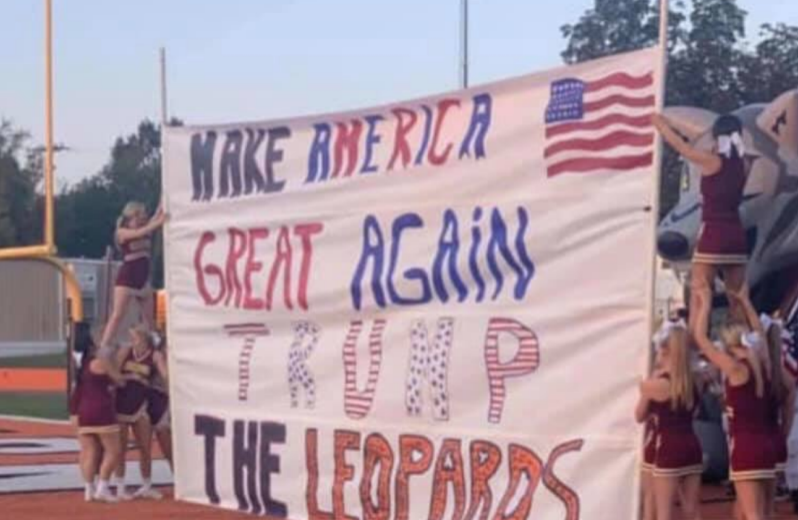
pixel 485 460
pixel 377 451
pixel 403 127
pixel 253 266
pixel 344 441
pixel 312 467
pixel 237 248
pixel 346 140
pixel 282 261
pixel 202 271
pixel 305 232
pixel 448 472
pixel 434 157
pixel 409 446
pixel 566 495
pixel 522 462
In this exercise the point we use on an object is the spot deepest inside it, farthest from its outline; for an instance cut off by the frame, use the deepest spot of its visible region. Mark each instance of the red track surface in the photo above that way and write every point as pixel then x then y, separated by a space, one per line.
pixel 70 505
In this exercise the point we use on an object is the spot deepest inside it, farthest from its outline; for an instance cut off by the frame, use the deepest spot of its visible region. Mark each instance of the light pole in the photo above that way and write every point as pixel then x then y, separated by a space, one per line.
pixel 464 43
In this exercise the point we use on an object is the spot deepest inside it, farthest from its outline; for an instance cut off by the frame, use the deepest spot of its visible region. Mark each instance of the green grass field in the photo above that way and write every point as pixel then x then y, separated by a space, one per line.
pixel 44 405
pixel 43 361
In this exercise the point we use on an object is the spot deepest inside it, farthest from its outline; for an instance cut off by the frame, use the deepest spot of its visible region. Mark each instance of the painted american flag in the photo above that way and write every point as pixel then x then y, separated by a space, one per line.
pixel 600 125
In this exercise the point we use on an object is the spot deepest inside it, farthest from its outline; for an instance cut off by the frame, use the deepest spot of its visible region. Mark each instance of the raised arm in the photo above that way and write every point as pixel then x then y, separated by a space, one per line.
pixel 708 162
pixel 125 235
pixel 726 363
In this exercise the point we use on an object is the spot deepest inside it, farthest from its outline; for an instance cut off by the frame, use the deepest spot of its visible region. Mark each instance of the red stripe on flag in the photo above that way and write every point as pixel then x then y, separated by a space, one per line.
pixel 608 142
pixel 620 99
pixel 598 124
pixel 621 79
pixel 625 163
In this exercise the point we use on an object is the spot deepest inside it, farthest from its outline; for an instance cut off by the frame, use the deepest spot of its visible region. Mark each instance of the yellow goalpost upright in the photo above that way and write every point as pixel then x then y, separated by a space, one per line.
pixel 46 252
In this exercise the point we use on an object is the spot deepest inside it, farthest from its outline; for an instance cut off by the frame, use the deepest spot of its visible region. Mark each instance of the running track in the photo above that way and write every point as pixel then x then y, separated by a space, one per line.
pixel 38 460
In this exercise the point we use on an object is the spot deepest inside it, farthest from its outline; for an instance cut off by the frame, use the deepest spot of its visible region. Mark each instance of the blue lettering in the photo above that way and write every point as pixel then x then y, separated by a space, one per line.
pixel 448 247
pixel 372 138
pixel 478 128
pixel 319 160
pixel 408 220
pixel 422 152
pixel 374 251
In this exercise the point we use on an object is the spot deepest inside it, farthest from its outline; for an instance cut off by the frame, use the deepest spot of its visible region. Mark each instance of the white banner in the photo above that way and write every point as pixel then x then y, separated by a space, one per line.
pixel 435 309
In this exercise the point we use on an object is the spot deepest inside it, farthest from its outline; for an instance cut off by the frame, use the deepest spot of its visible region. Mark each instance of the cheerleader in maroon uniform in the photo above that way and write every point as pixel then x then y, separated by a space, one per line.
pixel 133 234
pixel 137 365
pixel 643 415
pixel 722 245
pixel 781 404
pixel 671 396
pixel 158 403
pixel 752 454
pixel 98 431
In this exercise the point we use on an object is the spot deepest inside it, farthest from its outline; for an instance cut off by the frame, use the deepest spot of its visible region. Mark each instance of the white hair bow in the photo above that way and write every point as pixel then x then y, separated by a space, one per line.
pixel 751 340
pixel 661 336
pixel 727 142
pixel 768 322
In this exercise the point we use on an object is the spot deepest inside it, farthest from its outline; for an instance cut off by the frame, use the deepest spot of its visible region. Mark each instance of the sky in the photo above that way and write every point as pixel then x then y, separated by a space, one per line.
pixel 236 60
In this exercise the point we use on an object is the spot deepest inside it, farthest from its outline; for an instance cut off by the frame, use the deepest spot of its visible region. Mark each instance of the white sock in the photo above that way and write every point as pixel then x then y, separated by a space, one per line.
pixel 120 484
pixel 102 487
pixel 88 490
pixel 146 483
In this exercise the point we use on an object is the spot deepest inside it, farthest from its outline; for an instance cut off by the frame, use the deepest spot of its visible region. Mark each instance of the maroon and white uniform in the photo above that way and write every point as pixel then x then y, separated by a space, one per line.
pixel 776 428
pixel 135 270
pixel 158 401
pixel 751 447
pixel 650 444
pixel 678 451
pixel 722 238
pixel 131 400
pixel 94 403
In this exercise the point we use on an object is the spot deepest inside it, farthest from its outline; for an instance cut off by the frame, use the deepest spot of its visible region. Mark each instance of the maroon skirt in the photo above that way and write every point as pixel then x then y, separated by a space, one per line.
pixel 649 449
pixel 158 408
pixel 780 450
pixel 678 454
pixel 131 402
pixel 95 411
pixel 722 242
pixel 134 274
pixel 752 456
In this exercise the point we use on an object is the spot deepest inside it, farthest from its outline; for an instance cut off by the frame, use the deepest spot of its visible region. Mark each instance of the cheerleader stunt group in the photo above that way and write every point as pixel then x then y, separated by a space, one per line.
pixel 744 360
pixel 121 386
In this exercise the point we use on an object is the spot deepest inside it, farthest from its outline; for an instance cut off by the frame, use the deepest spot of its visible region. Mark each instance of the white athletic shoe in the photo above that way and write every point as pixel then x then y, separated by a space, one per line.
pixel 105 496
pixel 123 495
pixel 148 492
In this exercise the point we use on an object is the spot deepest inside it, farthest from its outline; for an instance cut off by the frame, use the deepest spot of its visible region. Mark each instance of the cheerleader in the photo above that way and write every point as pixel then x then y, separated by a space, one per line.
pixel 752 457
pixel 137 365
pixel 133 235
pixel 98 431
pixel 158 403
pixel 781 404
pixel 722 245
pixel 671 396
pixel 642 415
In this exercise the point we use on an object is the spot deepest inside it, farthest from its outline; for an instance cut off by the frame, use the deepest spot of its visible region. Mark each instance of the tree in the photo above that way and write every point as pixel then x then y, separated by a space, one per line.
pixel 617 26
pixel 18 181
pixel 773 67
